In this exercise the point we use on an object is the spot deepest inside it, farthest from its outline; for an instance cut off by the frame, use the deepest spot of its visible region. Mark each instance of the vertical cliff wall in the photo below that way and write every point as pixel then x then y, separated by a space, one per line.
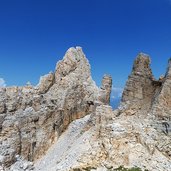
pixel 162 103
pixel 141 86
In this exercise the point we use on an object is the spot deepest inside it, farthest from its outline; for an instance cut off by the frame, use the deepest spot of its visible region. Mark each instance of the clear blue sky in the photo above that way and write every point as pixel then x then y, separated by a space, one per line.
pixel 34 35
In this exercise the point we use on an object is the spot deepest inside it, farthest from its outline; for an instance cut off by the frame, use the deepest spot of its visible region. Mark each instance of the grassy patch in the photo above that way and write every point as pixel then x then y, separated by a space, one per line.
pixel 84 169
pixel 121 168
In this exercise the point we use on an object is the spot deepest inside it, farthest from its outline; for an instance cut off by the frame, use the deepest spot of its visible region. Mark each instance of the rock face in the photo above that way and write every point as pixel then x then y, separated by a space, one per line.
pixel 105 89
pixel 110 142
pixel 65 123
pixel 153 101
pixel 133 135
pixel 162 103
pixel 45 83
pixel 32 118
pixel 141 86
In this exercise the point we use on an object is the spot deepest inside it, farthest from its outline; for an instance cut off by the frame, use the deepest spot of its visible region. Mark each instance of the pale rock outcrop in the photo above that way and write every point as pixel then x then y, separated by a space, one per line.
pixel 45 83
pixel 162 103
pixel 111 142
pixel 66 124
pixel 32 118
pixel 2 107
pixel 105 89
pixel 132 135
pixel 141 86
pixel 161 113
pixel 145 96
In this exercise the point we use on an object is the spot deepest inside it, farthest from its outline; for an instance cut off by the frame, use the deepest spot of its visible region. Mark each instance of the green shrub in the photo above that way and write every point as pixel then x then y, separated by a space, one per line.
pixel 84 169
pixel 121 168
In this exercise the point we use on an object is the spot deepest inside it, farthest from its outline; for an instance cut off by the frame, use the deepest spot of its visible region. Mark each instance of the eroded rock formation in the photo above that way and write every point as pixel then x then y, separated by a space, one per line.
pixel 32 118
pixel 162 102
pixel 105 89
pixel 140 87
pixel 65 123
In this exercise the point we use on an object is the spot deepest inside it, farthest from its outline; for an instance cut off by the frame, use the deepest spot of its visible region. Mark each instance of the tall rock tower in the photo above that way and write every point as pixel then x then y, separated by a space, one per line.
pixel 140 87
pixel 106 89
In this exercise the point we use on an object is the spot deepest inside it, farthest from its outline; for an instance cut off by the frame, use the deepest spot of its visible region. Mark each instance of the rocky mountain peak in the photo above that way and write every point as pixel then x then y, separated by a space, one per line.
pixel 75 62
pixel 142 65
pixel 139 88
pixel 66 122
pixel 33 118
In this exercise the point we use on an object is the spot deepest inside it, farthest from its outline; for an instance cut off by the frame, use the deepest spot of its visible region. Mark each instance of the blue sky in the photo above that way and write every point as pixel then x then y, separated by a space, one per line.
pixel 35 34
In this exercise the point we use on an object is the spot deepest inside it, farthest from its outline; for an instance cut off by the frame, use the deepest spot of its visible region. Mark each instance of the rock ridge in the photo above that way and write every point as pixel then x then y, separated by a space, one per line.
pixel 66 122
pixel 33 118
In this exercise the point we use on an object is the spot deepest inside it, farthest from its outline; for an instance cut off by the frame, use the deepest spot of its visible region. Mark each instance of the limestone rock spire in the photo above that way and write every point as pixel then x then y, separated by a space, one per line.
pixel 106 89
pixel 139 88
pixel 32 118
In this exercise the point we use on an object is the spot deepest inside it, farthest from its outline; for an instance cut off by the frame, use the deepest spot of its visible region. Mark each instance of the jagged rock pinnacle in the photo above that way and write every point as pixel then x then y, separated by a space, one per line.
pixel 32 118
pixel 139 88
pixel 142 65
pixel 106 89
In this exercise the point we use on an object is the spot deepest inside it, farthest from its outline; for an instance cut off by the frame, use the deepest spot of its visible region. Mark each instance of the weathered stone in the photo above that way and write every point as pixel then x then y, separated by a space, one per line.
pixel 32 118
pixel 162 102
pixel 105 89
pixel 136 134
pixel 45 83
pixel 141 85
pixel 2 107
pixel 109 143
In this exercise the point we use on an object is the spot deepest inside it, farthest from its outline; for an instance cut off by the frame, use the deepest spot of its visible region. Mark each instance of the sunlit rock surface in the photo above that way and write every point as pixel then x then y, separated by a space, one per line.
pixel 65 123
